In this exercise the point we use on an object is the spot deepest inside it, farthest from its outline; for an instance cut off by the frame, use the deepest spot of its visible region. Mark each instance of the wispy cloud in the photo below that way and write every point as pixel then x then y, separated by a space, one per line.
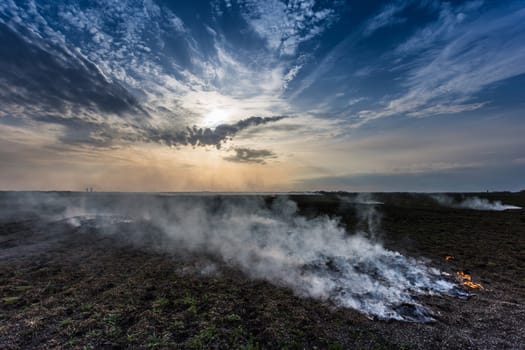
pixel 285 26
pixel 466 54
pixel 386 17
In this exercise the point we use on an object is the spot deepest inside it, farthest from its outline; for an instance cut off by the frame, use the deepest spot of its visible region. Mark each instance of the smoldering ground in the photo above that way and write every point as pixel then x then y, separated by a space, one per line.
pixel 471 202
pixel 265 239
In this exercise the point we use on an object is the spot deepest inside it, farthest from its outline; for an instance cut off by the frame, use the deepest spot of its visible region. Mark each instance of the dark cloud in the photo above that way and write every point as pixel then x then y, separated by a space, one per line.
pixel 80 131
pixel 247 155
pixel 101 134
pixel 44 75
pixel 205 136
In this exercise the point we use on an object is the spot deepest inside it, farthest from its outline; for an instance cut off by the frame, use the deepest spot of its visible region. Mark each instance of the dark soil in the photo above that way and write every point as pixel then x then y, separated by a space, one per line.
pixel 84 290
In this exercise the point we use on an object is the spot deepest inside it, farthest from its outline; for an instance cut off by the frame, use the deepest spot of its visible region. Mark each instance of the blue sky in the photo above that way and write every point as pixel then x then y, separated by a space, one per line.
pixel 262 95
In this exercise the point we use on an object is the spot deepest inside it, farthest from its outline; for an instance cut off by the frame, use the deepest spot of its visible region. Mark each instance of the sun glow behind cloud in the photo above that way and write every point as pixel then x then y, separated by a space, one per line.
pixel 215 117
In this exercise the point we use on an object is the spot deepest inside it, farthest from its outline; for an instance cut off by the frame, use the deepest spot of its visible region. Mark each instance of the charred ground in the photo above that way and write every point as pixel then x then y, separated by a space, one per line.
pixel 81 289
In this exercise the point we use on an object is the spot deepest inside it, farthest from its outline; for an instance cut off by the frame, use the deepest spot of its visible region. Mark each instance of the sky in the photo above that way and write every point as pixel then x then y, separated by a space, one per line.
pixel 245 95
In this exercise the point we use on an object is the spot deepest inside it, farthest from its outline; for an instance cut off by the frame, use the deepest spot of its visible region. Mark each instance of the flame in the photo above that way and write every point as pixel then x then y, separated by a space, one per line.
pixel 448 257
pixel 466 279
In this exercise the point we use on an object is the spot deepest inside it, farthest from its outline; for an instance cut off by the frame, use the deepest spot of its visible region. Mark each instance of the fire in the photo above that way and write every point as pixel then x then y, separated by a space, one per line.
pixel 466 279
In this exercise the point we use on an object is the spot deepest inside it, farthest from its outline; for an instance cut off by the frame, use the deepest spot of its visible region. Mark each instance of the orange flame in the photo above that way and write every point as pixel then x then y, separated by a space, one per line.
pixel 466 279
pixel 448 257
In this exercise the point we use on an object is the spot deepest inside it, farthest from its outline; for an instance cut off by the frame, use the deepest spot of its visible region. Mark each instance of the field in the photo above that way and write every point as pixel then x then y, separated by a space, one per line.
pixel 73 286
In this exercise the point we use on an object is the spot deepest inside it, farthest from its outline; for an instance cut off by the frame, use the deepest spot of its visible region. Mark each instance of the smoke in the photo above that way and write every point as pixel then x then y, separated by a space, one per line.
pixel 369 218
pixel 315 257
pixel 475 203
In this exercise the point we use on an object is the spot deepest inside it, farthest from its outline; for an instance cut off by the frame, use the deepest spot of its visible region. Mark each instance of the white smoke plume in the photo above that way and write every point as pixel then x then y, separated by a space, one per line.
pixel 315 257
pixel 475 203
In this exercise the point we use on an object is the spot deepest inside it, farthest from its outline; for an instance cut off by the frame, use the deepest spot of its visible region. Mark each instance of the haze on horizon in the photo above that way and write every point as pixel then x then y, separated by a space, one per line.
pixel 245 95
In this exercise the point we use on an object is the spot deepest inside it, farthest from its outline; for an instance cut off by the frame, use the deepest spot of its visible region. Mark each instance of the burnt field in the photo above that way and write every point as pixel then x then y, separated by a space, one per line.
pixel 93 270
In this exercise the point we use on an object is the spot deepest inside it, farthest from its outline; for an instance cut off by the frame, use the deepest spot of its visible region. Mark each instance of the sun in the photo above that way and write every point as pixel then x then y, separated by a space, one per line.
pixel 216 117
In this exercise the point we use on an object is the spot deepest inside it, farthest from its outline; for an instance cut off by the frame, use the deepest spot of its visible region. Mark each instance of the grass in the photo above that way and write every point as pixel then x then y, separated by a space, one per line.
pixel 156 341
pixel 86 307
pixel 191 303
pixel 160 304
pixel 112 325
pixel 22 288
pixel 10 300
pixel 335 346
pixel 252 345
pixel 66 322
pixel 203 338
pixel 233 318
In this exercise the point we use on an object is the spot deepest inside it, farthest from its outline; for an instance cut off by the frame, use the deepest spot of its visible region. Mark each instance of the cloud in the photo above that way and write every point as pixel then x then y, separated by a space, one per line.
pixel 247 155
pixel 448 62
pixel 99 74
pixel 386 17
pixel 77 131
pixel 285 26
pixel 108 73
pixel 324 65
pixel 206 136
pixel 160 59
pixel 46 77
